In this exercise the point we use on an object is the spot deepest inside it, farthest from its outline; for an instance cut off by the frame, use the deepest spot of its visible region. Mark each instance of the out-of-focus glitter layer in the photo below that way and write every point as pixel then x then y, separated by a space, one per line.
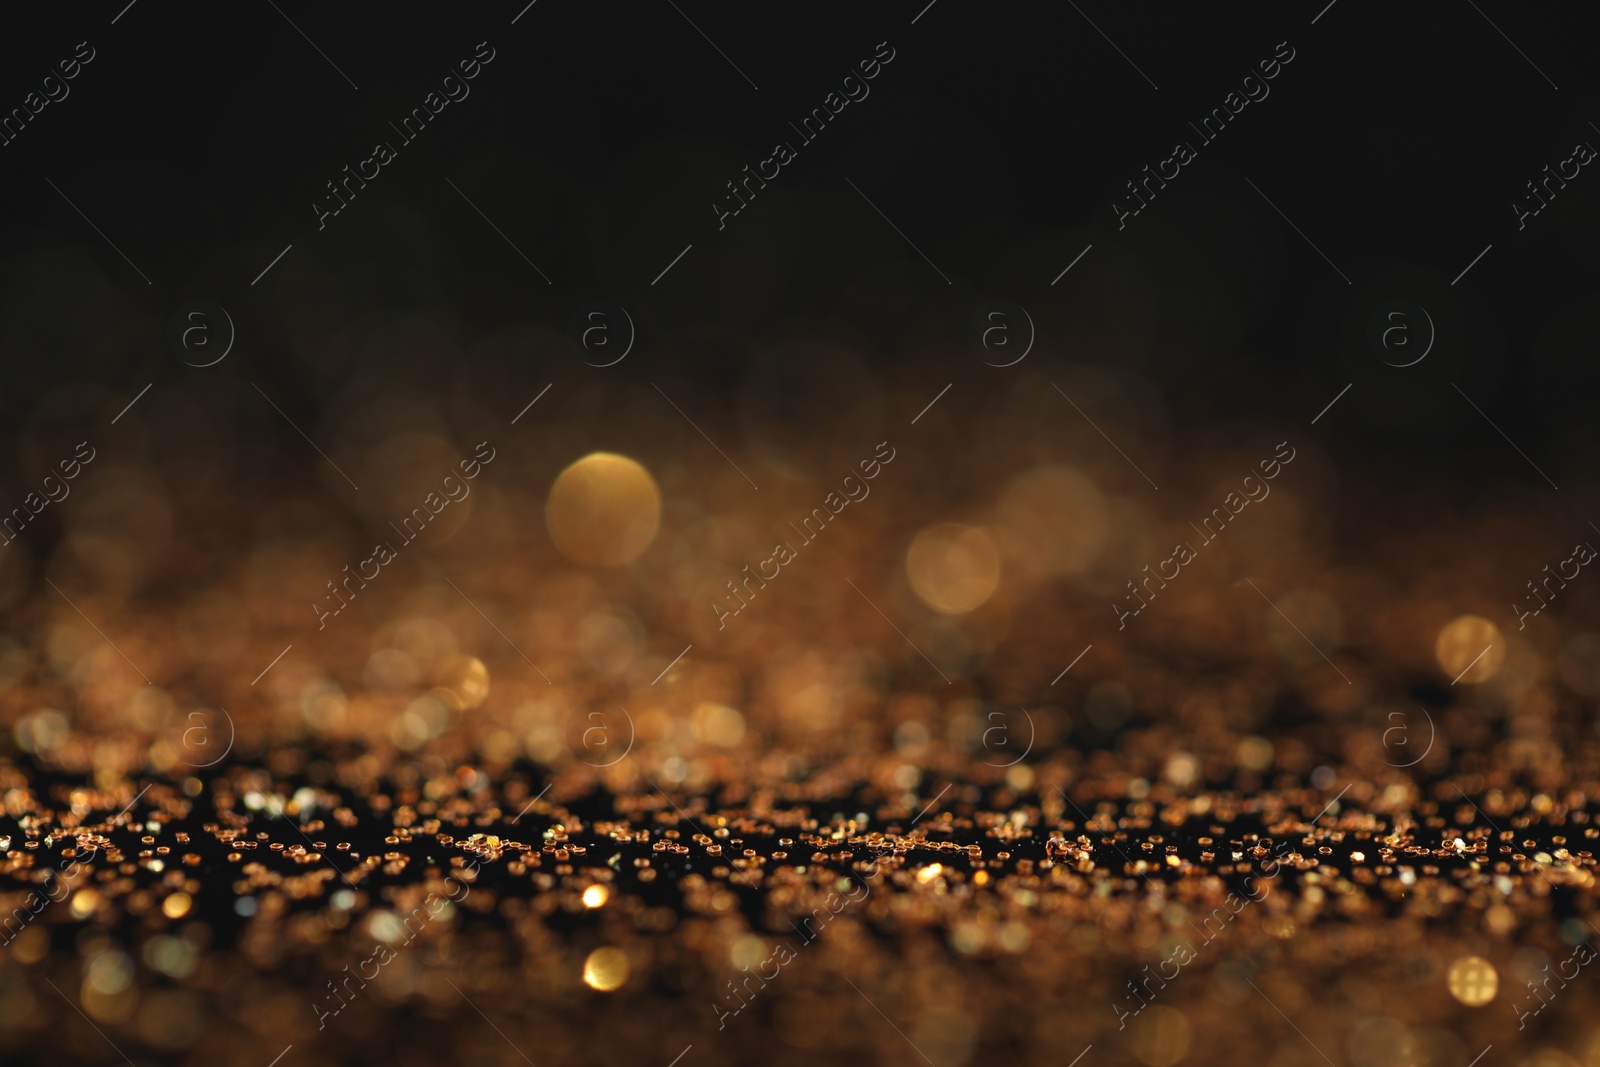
pixel 330 903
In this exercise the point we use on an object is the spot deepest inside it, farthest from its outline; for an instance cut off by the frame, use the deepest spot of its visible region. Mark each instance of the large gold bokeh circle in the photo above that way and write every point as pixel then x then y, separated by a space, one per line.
pixel 1470 649
pixel 953 568
pixel 1473 981
pixel 603 510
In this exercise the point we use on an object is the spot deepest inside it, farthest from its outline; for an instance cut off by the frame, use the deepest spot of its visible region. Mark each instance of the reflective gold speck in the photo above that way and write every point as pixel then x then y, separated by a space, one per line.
pixel 605 969
pixel 1470 648
pixel 1473 981
pixel 463 683
pixel 84 902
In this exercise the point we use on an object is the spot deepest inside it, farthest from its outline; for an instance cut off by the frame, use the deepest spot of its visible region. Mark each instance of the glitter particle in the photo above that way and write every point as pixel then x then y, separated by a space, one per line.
pixel 1473 981
pixel 605 969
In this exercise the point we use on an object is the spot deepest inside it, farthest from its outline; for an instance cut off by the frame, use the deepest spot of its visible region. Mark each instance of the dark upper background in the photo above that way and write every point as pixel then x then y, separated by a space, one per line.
pixel 597 140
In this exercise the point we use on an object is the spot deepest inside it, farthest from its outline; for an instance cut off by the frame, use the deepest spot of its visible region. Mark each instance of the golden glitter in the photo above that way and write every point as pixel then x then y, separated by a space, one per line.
pixel 30 946
pixel 176 906
pixel 84 902
pixel 748 952
pixel 108 992
pixel 604 510
pixel 802 774
pixel 953 568
pixel 463 683
pixel 605 969
pixel 1473 981
pixel 967 937
pixel 1470 648
pixel 1254 753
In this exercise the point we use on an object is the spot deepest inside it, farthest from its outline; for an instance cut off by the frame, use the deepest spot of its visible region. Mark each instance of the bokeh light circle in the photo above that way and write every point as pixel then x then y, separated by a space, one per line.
pixel 953 568
pixel 1470 649
pixel 604 510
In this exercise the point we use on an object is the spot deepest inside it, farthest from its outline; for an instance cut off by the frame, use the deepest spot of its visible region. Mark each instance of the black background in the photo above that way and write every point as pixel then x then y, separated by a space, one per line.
pixel 200 136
